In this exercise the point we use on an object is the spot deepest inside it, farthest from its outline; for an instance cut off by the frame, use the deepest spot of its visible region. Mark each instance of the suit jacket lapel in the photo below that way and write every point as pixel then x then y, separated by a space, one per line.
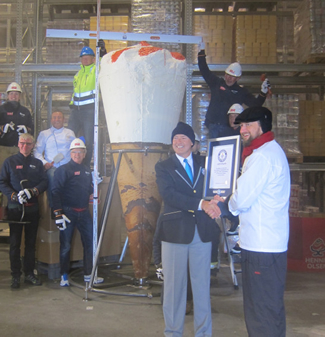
pixel 197 170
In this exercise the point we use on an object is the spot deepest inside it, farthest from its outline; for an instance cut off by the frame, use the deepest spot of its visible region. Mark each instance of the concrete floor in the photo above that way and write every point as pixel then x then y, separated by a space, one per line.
pixel 49 310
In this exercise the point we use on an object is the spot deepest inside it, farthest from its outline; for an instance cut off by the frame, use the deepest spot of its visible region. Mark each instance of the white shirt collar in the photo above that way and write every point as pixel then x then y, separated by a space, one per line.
pixel 189 160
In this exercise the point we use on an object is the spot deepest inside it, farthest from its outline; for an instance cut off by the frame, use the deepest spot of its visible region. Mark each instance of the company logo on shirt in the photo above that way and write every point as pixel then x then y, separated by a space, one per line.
pixel 87 173
pixel 22 114
pixel 222 88
pixel 10 113
pixel 19 167
pixel 77 173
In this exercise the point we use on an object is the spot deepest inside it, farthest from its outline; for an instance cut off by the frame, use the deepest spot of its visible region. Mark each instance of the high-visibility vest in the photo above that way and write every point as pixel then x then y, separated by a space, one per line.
pixel 84 86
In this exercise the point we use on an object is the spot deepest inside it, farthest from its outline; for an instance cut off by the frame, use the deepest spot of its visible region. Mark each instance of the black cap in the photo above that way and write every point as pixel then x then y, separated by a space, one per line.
pixel 256 113
pixel 184 129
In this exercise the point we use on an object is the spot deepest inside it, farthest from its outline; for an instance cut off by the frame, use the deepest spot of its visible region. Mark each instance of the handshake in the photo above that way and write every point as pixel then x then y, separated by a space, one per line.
pixel 217 207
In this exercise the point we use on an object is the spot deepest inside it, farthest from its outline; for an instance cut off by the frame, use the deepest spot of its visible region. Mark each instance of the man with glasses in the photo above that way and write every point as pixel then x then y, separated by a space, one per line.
pixel 52 148
pixel 22 179
pixel 15 119
pixel 71 191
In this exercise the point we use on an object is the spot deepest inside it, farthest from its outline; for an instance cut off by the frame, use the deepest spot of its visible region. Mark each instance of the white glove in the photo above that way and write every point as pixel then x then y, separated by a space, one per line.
pixel 21 129
pixel 26 194
pixel 266 85
pixel 201 46
pixel 99 179
pixel 22 197
pixel 9 126
pixel 61 221
pixel 159 273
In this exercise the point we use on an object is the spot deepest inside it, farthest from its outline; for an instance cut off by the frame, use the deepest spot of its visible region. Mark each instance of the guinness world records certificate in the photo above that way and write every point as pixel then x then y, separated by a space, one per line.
pixel 221 166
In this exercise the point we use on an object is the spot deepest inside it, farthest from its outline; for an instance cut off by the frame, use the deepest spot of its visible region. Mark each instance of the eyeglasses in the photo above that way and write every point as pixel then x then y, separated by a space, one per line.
pixel 77 152
pixel 23 143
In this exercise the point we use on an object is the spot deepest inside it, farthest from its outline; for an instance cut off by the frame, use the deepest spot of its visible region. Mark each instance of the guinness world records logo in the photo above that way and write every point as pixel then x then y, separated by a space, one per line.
pixel 222 155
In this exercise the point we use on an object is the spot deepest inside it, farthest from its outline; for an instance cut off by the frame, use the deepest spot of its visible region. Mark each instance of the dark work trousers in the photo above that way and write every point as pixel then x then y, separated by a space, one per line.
pixel 32 215
pixel 84 223
pixel 83 120
pixel 264 276
pixel 215 249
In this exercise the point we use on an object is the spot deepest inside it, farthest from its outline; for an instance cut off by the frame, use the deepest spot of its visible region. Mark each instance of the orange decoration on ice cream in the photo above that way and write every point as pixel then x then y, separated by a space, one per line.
pixel 177 56
pixel 117 54
pixel 148 50
pixel 145 50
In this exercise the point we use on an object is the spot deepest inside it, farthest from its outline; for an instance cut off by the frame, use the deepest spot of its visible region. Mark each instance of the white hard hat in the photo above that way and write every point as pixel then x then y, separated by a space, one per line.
pixel 234 69
pixel 77 143
pixel 13 87
pixel 235 109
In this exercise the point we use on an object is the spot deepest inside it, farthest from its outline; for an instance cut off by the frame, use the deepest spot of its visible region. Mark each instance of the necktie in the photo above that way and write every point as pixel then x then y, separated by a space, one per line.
pixel 188 170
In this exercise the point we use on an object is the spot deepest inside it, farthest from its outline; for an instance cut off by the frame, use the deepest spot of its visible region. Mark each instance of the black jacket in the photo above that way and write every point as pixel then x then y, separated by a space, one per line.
pixel 72 186
pixel 176 224
pixel 19 115
pixel 223 97
pixel 18 167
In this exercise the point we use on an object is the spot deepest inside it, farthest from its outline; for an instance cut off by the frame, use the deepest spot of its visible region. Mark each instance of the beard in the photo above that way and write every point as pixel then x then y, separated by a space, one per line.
pixel 247 142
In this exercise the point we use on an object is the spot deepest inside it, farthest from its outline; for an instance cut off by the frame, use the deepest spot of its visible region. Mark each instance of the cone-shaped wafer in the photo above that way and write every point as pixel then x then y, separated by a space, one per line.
pixel 140 200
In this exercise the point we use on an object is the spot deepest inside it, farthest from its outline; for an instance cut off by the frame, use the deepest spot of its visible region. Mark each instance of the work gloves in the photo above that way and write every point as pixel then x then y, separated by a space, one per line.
pixel 266 85
pixel 21 129
pixel 61 220
pixel 11 127
pixel 101 44
pixel 14 197
pixel 97 177
pixel 159 272
pixel 8 127
pixel 26 194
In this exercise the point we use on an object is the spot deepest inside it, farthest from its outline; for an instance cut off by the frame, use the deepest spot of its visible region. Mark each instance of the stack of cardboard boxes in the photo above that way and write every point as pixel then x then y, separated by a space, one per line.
pixel 256 39
pixel 253 41
pixel 312 128
pixel 217 33
pixel 119 23
pixel 309 37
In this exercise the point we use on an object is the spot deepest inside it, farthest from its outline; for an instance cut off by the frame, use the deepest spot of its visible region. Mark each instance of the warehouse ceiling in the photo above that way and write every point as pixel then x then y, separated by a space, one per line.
pixel 62 9
pixel 59 9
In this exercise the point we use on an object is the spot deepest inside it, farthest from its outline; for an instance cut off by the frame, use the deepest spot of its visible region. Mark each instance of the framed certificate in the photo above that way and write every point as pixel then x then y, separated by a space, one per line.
pixel 221 166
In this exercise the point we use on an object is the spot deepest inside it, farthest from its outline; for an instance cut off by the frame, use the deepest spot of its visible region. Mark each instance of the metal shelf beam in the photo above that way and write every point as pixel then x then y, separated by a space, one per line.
pixel 246 68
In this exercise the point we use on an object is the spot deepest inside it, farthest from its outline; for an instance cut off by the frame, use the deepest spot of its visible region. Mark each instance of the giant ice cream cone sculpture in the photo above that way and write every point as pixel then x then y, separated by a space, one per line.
pixel 142 89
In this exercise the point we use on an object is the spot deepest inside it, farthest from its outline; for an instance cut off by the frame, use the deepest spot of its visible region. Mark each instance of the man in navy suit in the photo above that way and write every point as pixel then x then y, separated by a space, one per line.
pixel 186 228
